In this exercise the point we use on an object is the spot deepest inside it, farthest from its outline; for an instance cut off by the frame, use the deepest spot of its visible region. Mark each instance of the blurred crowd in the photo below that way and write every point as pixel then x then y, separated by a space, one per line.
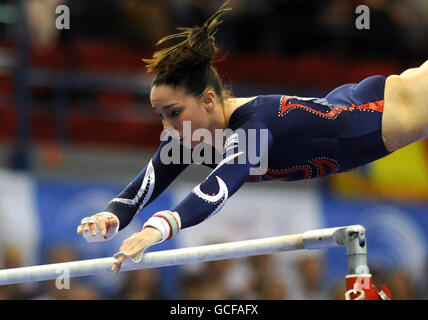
pixel 252 278
pixel 398 29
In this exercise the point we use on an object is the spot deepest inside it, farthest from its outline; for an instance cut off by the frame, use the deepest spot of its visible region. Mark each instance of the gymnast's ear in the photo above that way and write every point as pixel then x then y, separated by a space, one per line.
pixel 208 99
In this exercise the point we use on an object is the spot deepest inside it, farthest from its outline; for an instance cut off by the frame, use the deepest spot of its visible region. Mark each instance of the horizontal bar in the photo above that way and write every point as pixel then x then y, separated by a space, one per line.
pixel 164 258
pixel 325 238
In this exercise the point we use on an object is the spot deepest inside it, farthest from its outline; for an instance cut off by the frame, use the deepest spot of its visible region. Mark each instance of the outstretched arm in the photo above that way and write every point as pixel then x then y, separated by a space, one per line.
pixel 146 187
pixel 246 151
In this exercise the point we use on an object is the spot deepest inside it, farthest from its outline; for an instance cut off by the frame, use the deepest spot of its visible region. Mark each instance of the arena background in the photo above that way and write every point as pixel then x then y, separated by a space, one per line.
pixel 76 126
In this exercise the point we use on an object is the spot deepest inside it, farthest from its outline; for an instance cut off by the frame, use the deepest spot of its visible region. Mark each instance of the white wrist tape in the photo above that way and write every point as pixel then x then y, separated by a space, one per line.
pixel 167 222
pixel 159 224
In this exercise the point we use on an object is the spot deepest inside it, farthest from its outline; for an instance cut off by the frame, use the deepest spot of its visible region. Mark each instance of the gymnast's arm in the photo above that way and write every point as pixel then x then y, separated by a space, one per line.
pixel 239 162
pixel 208 197
pixel 146 187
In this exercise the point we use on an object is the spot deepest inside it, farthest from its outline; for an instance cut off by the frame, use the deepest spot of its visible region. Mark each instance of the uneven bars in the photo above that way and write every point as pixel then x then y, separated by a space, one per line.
pixel 314 239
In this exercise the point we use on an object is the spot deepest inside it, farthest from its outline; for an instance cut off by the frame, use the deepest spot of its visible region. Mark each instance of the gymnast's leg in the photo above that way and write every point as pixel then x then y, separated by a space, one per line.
pixel 405 116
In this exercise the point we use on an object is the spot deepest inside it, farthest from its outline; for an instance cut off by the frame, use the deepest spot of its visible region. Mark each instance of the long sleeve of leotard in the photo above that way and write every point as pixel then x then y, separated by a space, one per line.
pixel 158 174
pixel 243 152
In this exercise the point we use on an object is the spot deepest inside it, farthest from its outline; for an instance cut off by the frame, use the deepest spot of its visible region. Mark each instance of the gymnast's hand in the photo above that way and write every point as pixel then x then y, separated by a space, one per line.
pixel 135 245
pixel 105 221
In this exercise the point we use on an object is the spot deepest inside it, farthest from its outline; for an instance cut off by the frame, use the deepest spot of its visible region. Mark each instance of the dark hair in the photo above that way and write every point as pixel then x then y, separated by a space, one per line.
pixel 188 64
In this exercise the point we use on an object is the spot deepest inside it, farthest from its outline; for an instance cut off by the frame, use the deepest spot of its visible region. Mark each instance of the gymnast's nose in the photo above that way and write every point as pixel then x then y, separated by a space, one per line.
pixel 167 126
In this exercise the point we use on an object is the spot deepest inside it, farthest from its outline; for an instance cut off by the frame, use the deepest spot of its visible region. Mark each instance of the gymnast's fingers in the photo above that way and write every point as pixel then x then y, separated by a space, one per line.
pixel 130 250
pixel 86 227
pixel 133 252
pixel 88 224
pixel 128 243
pixel 93 227
pixel 102 224
pixel 117 264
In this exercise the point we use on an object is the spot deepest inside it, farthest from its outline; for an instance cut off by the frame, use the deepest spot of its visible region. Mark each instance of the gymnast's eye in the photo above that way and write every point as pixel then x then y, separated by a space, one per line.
pixel 175 113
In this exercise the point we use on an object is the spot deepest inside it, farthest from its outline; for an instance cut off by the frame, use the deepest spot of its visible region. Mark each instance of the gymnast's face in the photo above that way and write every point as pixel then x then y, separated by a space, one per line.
pixel 174 106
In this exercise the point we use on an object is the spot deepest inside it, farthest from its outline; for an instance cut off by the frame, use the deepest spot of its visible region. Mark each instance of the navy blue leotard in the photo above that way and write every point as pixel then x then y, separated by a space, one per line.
pixel 302 138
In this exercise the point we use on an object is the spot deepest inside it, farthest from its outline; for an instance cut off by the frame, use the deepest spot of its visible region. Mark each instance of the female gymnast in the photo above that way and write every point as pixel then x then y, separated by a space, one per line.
pixel 306 137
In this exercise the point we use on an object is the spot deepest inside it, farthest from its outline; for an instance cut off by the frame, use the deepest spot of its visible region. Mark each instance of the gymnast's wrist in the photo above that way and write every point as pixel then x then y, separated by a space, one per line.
pixel 152 235
pixel 167 222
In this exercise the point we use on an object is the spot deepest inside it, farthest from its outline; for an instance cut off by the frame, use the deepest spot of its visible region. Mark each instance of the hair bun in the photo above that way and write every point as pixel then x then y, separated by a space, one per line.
pixel 197 48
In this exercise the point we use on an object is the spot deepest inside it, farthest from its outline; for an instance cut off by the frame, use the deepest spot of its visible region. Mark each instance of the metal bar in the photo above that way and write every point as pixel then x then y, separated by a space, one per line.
pixel 356 250
pixel 324 238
